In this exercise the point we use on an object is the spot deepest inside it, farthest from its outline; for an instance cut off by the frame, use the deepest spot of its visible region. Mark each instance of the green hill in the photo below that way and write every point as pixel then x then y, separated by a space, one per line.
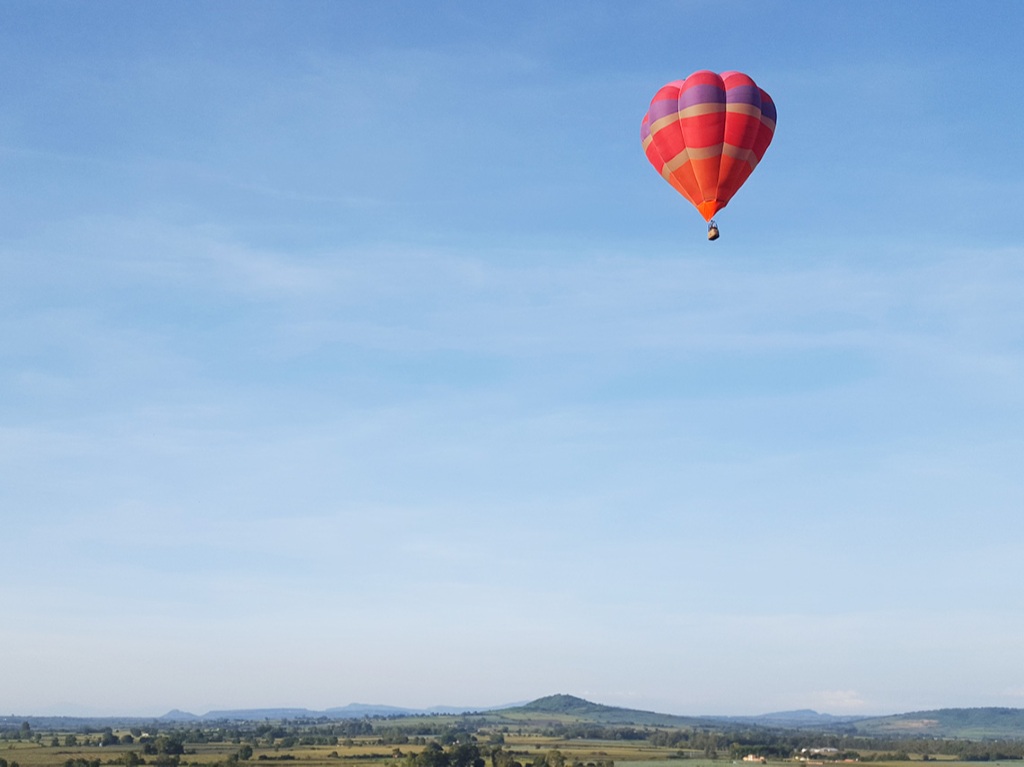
pixel 569 704
pixel 568 709
pixel 965 723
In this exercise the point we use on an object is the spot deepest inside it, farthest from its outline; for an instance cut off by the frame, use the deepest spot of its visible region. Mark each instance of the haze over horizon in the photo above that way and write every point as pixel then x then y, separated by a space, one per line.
pixel 354 351
pixel 85 712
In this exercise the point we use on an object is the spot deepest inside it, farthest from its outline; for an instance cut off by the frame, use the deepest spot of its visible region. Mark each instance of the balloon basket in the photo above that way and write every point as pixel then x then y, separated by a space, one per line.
pixel 712 231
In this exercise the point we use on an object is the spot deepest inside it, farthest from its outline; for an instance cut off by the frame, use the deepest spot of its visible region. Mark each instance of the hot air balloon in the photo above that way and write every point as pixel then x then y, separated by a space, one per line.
pixel 705 135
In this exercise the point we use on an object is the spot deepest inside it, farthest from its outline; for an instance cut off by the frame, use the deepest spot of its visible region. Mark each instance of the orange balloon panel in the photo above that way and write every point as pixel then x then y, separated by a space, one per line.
pixel 706 134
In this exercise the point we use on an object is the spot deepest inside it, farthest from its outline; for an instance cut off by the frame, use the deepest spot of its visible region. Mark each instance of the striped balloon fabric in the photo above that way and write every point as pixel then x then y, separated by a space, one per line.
pixel 705 135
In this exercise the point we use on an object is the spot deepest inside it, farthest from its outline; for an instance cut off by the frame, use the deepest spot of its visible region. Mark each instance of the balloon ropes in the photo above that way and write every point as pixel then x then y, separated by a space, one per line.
pixel 706 134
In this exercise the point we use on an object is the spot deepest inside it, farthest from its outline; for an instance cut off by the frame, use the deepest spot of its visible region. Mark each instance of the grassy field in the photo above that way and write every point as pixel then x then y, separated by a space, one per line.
pixel 375 755
pixel 369 751
pixel 361 753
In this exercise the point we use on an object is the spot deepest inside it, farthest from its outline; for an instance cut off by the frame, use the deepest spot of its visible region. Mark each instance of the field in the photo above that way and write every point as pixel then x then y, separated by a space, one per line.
pixel 523 747
pixel 556 731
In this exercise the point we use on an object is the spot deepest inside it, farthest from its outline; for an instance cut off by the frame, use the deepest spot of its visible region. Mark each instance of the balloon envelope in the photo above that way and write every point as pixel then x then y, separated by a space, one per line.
pixel 706 134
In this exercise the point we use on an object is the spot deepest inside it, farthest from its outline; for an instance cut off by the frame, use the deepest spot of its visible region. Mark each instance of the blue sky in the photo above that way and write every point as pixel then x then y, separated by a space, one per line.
pixel 354 352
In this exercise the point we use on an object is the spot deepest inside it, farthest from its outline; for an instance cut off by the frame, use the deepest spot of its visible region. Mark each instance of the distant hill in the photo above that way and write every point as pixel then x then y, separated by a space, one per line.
pixel 257 714
pixel 177 715
pixel 351 711
pixel 568 704
pixel 570 709
pixel 802 719
pixel 967 723
pixel 359 710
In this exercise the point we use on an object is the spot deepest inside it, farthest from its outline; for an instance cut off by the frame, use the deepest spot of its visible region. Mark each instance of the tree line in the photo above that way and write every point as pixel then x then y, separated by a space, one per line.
pixel 473 742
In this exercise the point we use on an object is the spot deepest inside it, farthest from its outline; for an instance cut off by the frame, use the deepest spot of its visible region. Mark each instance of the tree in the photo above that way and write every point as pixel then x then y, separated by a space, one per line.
pixel 465 755
pixel 168 744
pixel 502 758
pixel 431 756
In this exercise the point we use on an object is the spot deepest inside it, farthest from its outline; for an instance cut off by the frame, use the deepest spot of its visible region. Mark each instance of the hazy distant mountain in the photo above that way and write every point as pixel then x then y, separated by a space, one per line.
pixel 256 714
pixel 351 711
pixel 356 710
pixel 177 715
pixel 804 718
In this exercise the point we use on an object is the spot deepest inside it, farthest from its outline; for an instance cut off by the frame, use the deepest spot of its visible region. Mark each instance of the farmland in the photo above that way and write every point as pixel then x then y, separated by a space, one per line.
pixel 558 731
